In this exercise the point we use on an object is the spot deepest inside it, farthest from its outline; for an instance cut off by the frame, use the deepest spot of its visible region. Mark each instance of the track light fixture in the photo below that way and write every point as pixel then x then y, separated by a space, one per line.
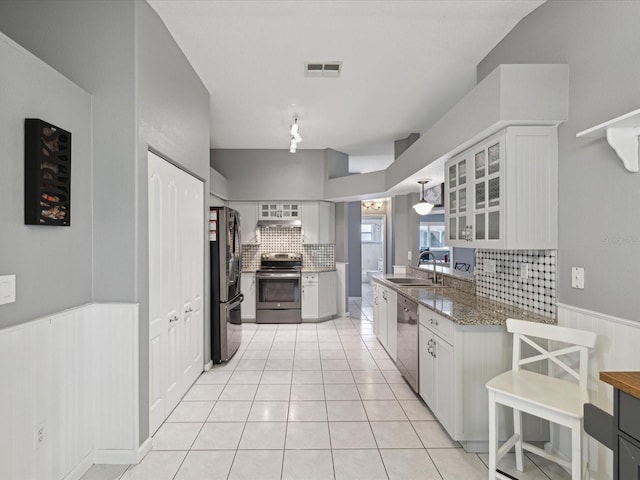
pixel 295 136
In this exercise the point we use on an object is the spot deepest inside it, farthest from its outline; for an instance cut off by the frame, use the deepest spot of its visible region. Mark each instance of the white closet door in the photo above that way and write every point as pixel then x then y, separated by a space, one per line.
pixel 176 284
pixel 171 291
pixel 192 265
pixel 157 319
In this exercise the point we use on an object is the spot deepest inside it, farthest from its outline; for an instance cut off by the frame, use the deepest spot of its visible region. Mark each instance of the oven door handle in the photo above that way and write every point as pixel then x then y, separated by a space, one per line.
pixel 279 275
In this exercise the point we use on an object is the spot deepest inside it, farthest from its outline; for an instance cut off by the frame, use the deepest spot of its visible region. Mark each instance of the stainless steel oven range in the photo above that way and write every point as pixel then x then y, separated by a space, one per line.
pixel 278 288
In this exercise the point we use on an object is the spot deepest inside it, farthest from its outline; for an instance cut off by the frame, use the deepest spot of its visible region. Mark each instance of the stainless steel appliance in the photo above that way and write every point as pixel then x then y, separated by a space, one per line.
pixel 226 297
pixel 408 336
pixel 278 288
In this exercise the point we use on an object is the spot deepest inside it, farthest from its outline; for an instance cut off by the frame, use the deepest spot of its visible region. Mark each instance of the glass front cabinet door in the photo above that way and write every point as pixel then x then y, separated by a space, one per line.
pixel 488 187
pixel 502 192
pixel 474 181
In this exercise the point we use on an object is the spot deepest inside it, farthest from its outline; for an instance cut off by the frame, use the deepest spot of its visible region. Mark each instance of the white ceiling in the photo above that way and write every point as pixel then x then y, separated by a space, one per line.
pixel 405 63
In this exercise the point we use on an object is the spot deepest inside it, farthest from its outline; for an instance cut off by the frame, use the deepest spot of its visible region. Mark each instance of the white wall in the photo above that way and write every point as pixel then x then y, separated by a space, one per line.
pixel 52 264
pixel 599 225
pixel 218 185
pixel 144 95
pixel 271 174
pixel 173 120
pixel 92 44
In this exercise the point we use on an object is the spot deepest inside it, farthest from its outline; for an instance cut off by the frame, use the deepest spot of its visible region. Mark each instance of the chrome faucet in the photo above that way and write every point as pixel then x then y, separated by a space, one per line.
pixel 426 253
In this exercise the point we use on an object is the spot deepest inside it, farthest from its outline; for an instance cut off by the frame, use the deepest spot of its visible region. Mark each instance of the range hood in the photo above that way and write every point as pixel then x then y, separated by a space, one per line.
pixel 280 222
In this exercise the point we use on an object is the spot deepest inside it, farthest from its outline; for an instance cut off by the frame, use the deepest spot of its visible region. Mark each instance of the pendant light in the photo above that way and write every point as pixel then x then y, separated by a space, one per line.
pixel 423 207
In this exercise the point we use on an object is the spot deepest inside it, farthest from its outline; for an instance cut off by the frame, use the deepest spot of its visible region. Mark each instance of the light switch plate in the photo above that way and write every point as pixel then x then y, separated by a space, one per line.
pixel 7 289
pixel 524 271
pixel 489 266
pixel 577 277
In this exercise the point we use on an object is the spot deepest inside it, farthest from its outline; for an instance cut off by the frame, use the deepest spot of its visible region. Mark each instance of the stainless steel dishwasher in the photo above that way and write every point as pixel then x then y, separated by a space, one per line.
pixel 407 329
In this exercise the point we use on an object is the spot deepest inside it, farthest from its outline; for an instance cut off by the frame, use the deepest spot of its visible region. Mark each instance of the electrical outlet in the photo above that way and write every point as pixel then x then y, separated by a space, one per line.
pixel 489 266
pixel 7 289
pixel 409 255
pixel 524 271
pixel 577 277
pixel 39 436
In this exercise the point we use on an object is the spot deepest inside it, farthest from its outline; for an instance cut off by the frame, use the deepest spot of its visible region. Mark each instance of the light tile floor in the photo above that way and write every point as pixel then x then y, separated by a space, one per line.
pixel 309 401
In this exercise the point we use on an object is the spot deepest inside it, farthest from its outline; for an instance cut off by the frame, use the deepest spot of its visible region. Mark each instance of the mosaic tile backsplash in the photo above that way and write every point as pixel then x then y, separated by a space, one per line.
pixel 314 257
pixel 536 293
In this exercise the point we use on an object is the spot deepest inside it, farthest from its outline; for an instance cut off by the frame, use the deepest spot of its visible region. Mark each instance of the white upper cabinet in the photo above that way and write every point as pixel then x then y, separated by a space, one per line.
pixel 248 220
pixel 318 218
pixel 318 222
pixel 275 210
pixel 503 192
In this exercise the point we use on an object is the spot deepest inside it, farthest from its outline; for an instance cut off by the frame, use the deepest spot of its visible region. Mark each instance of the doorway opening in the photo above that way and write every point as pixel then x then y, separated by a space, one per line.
pixel 373 247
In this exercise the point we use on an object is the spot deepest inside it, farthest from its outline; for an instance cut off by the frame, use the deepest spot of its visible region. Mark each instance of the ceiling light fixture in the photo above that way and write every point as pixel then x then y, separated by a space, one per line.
pixel 295 135
pixel 423 207
pixel 372 205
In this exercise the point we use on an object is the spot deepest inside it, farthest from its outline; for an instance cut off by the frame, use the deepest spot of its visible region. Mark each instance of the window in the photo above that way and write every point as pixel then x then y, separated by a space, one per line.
pixel 431 235
pixel 366 232
pixel 432 238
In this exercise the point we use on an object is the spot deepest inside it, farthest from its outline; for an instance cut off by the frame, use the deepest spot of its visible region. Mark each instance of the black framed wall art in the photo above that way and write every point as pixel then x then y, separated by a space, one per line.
pixel 47 174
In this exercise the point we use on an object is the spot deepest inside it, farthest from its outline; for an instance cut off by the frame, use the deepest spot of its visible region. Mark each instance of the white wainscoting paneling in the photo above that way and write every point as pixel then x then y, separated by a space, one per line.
pixel 115 347
pixel 616 350
pixel 76 374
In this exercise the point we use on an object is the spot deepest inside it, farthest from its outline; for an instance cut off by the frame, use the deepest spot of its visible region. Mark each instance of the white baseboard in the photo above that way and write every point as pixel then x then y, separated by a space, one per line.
pixel 122 457
pixel 80 469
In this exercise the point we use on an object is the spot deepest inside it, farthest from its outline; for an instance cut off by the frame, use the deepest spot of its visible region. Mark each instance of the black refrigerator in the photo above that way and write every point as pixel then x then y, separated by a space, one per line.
pixel 226 262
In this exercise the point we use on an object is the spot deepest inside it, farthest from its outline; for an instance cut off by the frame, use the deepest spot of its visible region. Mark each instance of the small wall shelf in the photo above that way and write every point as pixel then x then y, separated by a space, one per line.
pixel 622 134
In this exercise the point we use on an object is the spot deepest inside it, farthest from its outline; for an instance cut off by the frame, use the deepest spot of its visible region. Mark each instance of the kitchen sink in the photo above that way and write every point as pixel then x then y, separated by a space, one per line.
pixel 412 282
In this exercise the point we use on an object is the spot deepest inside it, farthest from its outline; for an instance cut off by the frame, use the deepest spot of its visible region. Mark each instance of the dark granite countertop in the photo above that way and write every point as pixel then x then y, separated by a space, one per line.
pixel 304 270
pixel 463 308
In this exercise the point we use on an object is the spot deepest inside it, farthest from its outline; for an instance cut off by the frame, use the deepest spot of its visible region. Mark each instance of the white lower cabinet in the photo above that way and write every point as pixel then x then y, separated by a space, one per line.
pixel 392 323
pixel 456 362
pixel 385 304
pixel 436 368
pixel 248 289
pixel 377 298
pixel 319 295
pixel 310 296
pixel 327 294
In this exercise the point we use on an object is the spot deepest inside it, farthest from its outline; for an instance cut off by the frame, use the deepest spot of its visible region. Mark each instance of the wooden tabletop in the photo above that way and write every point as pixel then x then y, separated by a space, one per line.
pixel 628 382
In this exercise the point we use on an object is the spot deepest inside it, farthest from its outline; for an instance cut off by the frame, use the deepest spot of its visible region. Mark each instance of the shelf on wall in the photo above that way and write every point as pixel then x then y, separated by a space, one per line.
pixel 622 134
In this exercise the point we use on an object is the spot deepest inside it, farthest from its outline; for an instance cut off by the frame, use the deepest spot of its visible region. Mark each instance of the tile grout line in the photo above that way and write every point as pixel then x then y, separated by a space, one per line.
pixel 235 454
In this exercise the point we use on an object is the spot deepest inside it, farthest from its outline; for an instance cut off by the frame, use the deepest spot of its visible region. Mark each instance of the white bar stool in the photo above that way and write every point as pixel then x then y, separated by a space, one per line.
pixel 557 400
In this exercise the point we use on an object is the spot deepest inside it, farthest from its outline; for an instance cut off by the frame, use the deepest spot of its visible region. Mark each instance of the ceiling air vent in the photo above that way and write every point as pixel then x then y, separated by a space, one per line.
pixel 322 69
